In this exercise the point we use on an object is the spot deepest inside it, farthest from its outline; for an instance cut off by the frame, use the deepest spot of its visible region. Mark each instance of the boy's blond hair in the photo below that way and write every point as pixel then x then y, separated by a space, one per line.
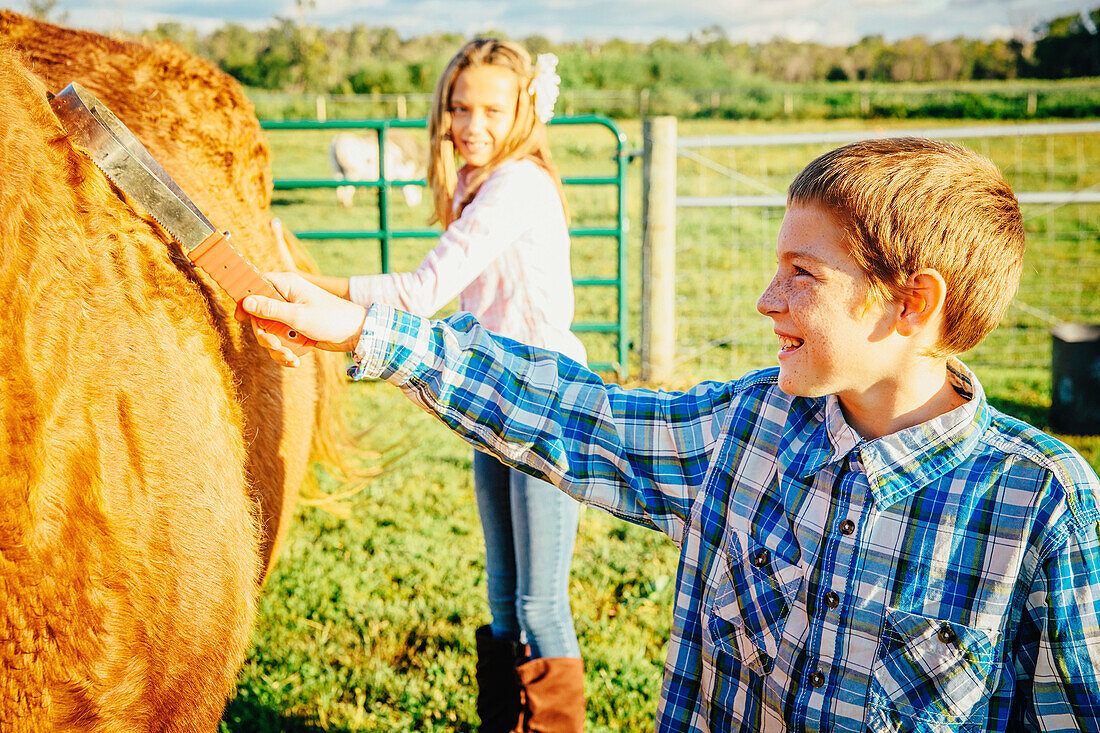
pixel 910 203
pixel 525 141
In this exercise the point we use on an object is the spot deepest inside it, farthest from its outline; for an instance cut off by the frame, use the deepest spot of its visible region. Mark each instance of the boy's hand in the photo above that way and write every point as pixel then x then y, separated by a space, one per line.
pixel 334 323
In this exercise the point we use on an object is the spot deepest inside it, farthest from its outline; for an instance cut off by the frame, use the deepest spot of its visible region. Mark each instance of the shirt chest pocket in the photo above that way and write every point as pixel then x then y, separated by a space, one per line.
pixel 931 676
pixel 756 592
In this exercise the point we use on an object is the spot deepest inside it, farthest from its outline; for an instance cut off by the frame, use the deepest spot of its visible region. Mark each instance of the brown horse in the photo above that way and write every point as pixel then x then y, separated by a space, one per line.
pixel 150 452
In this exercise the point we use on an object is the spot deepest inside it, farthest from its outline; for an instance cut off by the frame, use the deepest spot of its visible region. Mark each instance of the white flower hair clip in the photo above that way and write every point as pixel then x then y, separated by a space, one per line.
pixel 544 86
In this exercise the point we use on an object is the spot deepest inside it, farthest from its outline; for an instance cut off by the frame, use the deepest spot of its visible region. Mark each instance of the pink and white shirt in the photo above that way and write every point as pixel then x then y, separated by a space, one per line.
pixel 506 258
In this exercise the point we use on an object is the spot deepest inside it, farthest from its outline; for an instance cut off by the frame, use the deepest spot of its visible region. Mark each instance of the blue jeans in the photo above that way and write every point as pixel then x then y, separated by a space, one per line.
pixel 530 528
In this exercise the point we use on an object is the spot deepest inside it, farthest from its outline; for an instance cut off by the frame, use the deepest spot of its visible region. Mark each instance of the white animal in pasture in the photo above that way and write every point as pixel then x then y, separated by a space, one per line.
pixel 355 158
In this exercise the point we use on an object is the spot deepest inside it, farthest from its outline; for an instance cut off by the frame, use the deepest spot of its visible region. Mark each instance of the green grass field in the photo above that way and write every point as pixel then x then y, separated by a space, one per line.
pixel 367 622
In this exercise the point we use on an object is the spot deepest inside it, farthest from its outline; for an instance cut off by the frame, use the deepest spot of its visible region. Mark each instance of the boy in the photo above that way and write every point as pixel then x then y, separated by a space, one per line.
pixel 865 544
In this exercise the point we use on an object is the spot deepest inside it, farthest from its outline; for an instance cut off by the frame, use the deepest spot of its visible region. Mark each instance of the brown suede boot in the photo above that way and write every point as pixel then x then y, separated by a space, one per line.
pixel 498 690
pixel 553 691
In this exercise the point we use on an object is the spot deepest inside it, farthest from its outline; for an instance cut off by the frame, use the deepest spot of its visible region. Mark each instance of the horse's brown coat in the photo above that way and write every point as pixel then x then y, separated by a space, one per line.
pixel 150 453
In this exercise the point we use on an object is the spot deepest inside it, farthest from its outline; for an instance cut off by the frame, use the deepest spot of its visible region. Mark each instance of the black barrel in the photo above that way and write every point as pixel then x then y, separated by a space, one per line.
pixel 1075 379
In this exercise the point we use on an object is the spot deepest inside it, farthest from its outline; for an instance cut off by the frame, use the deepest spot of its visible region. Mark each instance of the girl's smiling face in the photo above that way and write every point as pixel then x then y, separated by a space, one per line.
pixel 483 111
pixel 833 337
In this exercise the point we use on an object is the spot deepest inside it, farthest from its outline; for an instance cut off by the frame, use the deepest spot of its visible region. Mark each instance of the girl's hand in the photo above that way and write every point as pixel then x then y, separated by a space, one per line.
pixel 334 323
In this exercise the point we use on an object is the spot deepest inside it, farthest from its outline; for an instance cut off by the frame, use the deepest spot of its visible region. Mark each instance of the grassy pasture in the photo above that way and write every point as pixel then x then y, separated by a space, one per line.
pixel 721 334
pixel 367 622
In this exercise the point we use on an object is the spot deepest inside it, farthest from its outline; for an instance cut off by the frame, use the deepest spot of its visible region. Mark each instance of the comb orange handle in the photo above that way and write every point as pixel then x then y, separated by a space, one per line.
pixel 237 276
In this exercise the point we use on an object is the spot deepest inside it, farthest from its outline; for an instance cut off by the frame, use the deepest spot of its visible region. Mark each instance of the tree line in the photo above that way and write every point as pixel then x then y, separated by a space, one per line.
pixel 292 56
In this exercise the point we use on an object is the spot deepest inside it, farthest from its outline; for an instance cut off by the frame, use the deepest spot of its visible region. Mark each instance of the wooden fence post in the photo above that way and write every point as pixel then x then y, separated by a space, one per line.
pixel 658 248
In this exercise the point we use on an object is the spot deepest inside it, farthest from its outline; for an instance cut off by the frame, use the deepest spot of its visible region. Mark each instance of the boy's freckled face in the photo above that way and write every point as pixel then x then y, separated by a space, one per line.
pixel 832 337
pixel 483 110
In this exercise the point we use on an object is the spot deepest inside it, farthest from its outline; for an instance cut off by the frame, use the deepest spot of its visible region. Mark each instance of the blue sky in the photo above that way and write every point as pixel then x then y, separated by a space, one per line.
pixel 834 22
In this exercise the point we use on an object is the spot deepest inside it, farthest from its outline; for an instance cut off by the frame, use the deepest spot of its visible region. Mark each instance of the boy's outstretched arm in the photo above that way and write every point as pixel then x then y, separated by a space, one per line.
pixel 638 454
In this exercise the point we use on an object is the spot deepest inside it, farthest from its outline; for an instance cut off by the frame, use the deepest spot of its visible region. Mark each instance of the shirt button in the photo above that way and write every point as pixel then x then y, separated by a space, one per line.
pixel 832 600
pixel 947 634
pixel 817 679
pixel 761 558
pixel 847 527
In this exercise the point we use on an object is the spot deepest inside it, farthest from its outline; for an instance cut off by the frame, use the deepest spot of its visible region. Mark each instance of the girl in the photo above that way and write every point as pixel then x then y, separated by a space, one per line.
pixel 505 254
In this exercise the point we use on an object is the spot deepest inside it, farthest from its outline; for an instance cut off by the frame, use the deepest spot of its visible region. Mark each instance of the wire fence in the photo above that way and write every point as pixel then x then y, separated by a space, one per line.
pixel 1030 99
pixel 730 198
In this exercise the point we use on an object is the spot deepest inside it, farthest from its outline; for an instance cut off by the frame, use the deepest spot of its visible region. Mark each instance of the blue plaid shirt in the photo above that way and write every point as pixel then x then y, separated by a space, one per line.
pixel 943 578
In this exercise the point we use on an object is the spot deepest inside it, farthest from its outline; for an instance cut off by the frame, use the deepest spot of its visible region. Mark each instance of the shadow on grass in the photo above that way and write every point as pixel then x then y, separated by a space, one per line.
pixel 1037 415
pixel 285 200
pixel 247 715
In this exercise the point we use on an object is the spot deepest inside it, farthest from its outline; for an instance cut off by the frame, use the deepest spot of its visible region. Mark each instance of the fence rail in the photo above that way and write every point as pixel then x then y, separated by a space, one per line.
pixel 1022 99
pixel 729 202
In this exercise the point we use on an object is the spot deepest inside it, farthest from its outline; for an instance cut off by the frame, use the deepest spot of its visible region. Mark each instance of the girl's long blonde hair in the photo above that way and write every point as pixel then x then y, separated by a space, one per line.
pixel 525 141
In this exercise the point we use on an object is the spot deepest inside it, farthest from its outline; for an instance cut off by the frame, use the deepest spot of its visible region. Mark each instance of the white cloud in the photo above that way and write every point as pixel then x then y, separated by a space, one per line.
pixel 996 30
pixel 829 21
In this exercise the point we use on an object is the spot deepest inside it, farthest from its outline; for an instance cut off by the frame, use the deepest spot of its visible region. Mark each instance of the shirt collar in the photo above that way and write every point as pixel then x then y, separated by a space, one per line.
pixel 897 464
pixel 815 436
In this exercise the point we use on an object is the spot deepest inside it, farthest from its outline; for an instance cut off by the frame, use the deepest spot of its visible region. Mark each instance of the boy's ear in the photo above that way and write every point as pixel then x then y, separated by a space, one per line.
pixel 923 297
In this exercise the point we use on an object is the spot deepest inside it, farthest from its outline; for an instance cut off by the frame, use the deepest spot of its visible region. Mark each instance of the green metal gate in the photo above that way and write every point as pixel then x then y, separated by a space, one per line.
pixel 386 234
